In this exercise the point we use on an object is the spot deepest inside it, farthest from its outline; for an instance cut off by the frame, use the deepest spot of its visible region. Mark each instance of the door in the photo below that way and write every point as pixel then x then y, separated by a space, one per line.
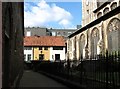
pixel 41 56
pixel 57 57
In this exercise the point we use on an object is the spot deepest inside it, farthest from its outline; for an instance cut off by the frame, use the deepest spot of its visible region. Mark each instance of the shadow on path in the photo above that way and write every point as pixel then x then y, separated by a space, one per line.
pixel 34 79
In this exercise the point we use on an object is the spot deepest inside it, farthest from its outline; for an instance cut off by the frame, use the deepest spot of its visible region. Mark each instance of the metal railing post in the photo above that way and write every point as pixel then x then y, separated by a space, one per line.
pixel 107 57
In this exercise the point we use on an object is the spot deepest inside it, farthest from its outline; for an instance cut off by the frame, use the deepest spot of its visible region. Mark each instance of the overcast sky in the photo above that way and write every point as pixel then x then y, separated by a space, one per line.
pixel 52 14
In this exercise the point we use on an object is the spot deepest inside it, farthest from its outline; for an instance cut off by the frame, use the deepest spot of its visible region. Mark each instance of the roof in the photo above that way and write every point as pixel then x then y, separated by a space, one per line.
pixel 44 41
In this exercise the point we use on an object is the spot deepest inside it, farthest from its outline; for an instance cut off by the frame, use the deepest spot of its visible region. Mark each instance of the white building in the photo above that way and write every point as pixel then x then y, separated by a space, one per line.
pixel 57 53
pixel 28 54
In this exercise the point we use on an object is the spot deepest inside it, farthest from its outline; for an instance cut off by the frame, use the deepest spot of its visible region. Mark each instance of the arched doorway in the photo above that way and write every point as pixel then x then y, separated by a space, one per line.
pixel 113 32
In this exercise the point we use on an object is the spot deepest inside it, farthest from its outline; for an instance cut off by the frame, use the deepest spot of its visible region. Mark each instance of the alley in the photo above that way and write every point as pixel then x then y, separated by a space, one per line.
pixel 34 79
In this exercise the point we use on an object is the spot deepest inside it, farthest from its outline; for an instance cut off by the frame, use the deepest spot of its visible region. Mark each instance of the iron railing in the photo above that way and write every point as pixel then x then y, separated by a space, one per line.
pixel 100 72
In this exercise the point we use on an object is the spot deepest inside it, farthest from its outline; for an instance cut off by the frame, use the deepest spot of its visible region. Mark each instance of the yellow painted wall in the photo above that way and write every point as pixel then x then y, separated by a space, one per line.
pixel 46 53
pixel 36 53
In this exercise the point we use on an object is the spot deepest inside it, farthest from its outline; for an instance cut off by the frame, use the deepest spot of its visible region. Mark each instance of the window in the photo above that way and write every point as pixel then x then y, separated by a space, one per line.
pixel 45 48
pixel 53 33
pixel 57 48
pixel 70 45
pixel 99 15
pixel 113 35
pixel 28 33
pixel 48 33
pixel 113 6
pixel 64 34
pixel 94 42
pixel 40 48
pixel 58 33
pixel 69 33
pixel 27 48
pixel 29 57
pixel 106 10
pixel 82 44
pixel 66 48
pixel 52 56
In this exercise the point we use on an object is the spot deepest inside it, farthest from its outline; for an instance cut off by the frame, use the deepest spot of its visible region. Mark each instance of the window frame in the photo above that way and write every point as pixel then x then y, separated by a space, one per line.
pixel 29 57
pixel 45 48
pixel 40 48
pixel 57 48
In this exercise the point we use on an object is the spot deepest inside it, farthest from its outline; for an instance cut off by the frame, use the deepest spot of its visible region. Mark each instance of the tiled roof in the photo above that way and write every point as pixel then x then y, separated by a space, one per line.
pixel 44 41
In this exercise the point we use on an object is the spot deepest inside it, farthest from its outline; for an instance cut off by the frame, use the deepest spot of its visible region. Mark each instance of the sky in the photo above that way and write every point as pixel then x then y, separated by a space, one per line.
pixel 52 14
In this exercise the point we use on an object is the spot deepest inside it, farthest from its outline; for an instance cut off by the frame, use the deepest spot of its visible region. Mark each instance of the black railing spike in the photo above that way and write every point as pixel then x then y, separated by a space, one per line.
pixel 106 57
pixel 112 55
pixel 115 54
pixel 119 54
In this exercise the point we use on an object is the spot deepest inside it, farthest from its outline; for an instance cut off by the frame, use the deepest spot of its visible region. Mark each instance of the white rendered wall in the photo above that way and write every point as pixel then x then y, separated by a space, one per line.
pixel 53 52
pixel 26 52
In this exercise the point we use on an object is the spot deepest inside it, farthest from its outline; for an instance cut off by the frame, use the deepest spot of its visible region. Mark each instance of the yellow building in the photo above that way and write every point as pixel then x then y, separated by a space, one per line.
pixel 41 53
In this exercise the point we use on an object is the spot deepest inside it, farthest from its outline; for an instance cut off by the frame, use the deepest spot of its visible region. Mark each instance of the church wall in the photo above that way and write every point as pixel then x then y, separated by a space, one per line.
pixel 102 41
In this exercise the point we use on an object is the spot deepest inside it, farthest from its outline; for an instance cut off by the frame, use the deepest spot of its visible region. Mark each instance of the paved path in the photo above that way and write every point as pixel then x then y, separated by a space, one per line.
pixel 34 79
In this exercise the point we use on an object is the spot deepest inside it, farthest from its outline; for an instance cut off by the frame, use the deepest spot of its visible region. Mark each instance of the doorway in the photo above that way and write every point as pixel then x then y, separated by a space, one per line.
pixel 57 57
pixel 41 57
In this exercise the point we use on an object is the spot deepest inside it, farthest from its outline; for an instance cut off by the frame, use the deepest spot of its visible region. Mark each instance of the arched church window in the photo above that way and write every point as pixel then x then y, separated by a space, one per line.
pixel 75 48
pixel 94 42
pixel 82 44
pixel 114 35
pixel 106 10
pixel 99 14
pixel 113 6
pixel 70 45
